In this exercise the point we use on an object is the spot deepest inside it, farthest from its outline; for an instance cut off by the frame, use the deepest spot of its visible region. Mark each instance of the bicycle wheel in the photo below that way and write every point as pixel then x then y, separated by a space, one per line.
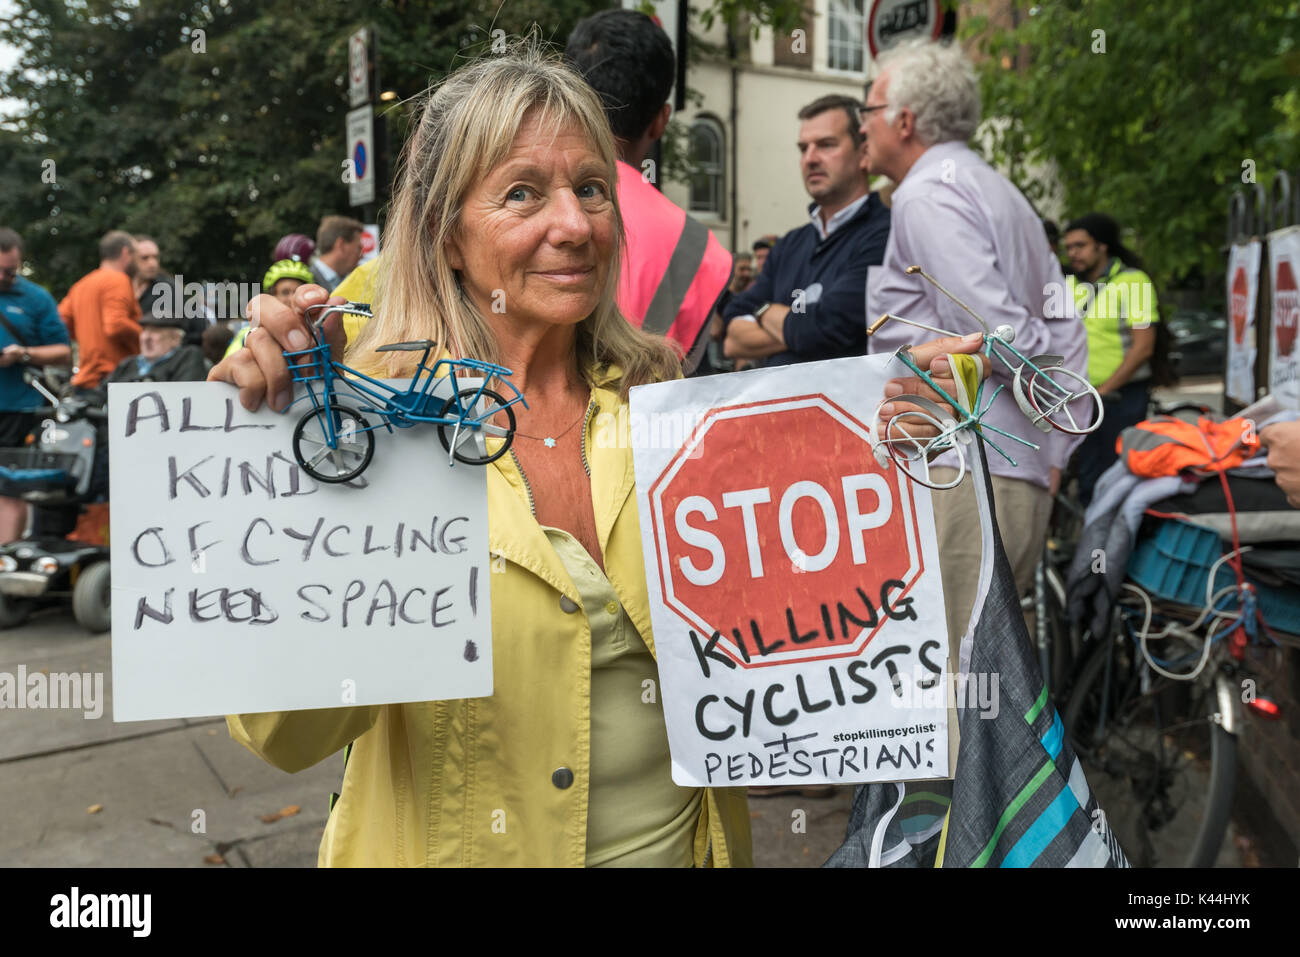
pixel 1162 768
pixel 1045 398
pixel 1052 624
pixel 901 445
pixel 478 425
pixel 354 443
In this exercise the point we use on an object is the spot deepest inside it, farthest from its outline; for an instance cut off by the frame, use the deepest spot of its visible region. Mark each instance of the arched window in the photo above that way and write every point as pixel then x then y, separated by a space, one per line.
pixel 707 160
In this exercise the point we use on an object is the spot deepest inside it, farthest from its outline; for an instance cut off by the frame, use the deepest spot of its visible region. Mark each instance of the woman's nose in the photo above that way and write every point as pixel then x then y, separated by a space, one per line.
pixel 569 220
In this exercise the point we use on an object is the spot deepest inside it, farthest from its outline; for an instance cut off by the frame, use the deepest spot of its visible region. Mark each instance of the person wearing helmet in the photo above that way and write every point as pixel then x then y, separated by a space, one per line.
pixel 294 246
pixel 284 277
pixel 281 280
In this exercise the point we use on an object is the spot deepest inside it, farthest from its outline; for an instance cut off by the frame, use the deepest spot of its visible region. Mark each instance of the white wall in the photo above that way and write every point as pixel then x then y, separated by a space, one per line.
pixel 769 189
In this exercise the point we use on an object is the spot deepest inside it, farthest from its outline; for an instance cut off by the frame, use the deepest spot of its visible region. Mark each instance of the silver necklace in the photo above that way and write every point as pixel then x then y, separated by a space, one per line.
pixel 550 440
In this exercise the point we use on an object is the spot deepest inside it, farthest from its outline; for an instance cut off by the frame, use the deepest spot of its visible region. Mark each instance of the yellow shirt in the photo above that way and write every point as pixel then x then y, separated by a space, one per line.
pixel 504 780
pixel 637 816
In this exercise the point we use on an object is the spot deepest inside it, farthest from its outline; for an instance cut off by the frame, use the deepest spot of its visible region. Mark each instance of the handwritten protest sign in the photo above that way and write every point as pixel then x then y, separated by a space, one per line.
pixel 794 584
pixel 241 584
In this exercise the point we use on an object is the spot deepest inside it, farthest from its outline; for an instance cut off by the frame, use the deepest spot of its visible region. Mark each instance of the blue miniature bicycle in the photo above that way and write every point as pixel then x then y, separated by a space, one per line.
pixel 334 441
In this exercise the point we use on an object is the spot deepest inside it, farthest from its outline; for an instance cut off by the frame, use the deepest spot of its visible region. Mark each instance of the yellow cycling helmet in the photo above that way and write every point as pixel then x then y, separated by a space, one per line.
pixel 285 269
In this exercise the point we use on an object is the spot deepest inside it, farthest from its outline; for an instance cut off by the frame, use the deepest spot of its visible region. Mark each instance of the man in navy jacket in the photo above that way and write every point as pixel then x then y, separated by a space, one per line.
pixel 809 302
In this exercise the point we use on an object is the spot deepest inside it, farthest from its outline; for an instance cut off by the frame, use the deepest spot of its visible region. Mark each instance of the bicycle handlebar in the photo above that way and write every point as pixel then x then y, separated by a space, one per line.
pixel 343 308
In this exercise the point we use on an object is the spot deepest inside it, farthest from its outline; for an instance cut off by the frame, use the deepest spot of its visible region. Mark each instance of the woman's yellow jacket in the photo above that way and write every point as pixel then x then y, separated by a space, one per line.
pixel 469 782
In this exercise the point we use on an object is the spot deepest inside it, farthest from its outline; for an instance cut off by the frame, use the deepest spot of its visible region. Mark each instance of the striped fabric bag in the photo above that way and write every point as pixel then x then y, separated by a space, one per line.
pixel 1019 797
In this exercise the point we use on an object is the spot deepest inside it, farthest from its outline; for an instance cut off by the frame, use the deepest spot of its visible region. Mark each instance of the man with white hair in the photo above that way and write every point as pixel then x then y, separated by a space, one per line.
pixel 967 226
pixel 163 357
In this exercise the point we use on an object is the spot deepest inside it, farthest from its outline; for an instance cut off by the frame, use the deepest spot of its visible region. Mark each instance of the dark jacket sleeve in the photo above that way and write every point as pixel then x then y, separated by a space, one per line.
pixel 836 324
pixel 187 365
pixel 744 303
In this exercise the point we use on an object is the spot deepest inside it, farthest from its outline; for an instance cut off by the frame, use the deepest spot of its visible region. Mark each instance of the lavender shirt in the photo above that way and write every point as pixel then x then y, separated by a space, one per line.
pixel 967 226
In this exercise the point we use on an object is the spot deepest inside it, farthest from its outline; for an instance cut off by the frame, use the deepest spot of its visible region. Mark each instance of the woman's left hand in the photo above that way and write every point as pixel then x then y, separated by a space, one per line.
pixel 931 357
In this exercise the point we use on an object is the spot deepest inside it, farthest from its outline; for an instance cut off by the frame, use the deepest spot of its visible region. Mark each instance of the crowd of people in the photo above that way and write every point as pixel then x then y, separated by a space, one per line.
pixel 607 284
pixel 122 322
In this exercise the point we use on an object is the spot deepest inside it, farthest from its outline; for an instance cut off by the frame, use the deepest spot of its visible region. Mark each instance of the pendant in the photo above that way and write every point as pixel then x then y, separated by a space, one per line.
pixel 549 442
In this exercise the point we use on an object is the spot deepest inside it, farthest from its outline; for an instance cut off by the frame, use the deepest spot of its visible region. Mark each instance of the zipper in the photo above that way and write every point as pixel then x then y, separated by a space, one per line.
pixel 591 407
pixel 527 488
pixel 708 853
pixel 532 508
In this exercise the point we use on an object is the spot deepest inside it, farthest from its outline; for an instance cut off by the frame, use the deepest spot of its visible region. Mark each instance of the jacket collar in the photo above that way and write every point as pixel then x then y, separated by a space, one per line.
pixel 869 205
pixel 513 530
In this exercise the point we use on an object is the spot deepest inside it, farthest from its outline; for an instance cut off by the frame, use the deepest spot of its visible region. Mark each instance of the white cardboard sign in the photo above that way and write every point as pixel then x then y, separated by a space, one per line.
pixel 1243 289
pixel 794 583
pixel 241 584
pixel 1284 360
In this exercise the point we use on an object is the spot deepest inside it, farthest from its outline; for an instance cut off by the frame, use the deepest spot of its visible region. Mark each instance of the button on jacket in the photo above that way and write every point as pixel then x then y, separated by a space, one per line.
pixel 427 781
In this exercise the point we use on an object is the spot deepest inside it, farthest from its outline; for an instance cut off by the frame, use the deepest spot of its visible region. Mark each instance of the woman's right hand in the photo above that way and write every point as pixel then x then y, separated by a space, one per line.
pixel 259 370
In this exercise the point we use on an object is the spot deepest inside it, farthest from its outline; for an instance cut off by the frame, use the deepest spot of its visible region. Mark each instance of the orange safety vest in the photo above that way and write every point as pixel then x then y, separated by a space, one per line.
pixel 673 269
pixel 1165 445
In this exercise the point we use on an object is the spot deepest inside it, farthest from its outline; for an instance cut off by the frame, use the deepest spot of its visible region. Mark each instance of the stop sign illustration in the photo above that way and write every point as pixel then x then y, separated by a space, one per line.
pixel 777 534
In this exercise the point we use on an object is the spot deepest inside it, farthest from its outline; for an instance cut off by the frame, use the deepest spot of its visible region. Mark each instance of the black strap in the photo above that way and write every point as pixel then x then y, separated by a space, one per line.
pixel 13 331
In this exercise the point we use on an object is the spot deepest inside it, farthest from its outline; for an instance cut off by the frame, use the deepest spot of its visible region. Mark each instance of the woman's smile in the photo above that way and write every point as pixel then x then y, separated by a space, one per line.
pixel 570 276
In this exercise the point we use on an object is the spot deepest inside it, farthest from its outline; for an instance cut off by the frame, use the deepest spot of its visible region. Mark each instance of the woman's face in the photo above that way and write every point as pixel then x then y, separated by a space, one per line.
pixel 284 290
pixel 536 234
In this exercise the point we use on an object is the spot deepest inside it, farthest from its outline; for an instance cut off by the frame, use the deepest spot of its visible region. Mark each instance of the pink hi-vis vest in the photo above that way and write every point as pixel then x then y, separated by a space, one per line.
pixel 674 268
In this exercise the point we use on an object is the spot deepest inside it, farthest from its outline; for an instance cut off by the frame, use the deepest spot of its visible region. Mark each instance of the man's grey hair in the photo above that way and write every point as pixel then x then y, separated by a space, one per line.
pixel 937 83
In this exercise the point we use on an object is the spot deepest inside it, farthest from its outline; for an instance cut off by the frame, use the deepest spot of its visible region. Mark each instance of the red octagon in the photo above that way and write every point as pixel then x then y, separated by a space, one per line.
pixel 775 527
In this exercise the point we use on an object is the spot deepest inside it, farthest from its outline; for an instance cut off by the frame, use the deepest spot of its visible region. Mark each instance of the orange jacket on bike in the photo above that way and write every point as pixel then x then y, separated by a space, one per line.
pixel 1166 445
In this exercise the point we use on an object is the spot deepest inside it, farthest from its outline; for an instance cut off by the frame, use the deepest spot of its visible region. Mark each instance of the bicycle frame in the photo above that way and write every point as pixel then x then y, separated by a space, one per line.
pixel 997 343
pixel 935 415
pixel 388 402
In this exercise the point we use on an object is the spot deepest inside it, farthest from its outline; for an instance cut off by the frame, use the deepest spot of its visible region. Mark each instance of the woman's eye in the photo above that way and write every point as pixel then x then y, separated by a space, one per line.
pixel 591 190
pixel 517 195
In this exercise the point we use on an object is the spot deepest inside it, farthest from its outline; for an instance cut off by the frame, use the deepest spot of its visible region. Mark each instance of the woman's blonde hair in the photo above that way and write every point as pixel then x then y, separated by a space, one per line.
pixel 467 125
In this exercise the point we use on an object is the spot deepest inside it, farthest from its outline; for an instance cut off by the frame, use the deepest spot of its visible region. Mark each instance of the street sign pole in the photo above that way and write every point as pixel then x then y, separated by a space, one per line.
pixel 380 134
pixel 363 80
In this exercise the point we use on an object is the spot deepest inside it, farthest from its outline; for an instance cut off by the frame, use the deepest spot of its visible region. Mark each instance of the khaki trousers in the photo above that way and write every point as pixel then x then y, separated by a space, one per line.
pixel 1022 510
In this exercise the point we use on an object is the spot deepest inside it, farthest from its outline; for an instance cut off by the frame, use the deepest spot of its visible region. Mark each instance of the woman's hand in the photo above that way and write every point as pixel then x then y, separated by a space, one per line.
pixel 259 370
pixel 1283 441
pixel 931 357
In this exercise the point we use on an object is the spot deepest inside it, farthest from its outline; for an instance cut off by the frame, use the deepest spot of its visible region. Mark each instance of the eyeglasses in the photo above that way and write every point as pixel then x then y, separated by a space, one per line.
pixel 863 108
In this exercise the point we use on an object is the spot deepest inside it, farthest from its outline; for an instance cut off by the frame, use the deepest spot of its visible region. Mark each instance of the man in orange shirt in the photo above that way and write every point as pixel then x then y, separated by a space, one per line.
pixel 102 312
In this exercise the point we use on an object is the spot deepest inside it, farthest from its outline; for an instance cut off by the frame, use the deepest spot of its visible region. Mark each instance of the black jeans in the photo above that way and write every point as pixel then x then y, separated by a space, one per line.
pixel 1097 452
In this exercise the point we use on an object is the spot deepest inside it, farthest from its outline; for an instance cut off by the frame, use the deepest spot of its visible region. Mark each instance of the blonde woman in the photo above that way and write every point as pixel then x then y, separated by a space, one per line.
pixel 506 196
pixel 504 245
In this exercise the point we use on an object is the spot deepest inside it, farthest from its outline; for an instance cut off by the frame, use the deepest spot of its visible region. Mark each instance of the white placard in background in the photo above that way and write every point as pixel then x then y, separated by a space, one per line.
pixel 242 584
pixel 1284 276
pixel 1243 290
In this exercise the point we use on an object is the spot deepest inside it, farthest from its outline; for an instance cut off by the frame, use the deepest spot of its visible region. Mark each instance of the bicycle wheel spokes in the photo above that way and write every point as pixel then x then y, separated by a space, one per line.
pixel 1047 396
pixel 343 458
pixel 909 445
pixel 486 416
pixel 1147 753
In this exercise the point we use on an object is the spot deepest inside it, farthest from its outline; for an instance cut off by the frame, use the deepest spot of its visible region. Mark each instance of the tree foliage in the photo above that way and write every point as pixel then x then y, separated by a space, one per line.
pixel 215 126
pixel 1147 112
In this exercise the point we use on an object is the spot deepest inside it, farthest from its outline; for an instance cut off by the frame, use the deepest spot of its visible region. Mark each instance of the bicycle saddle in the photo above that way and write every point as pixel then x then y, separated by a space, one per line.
pixel 414 345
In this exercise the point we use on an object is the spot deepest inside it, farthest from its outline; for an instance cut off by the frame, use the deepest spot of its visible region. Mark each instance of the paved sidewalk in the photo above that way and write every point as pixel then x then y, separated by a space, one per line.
pixel 150 778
